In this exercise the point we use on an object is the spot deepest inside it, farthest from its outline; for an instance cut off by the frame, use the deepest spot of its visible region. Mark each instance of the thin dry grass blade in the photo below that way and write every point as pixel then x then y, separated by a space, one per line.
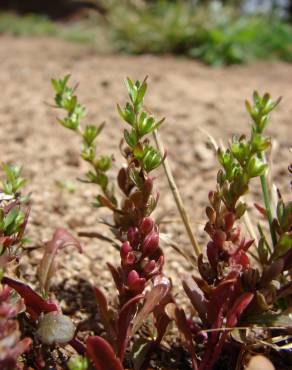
pixel 177 196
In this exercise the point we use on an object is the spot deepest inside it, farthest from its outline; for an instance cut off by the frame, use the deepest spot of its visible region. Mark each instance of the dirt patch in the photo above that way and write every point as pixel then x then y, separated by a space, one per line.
pixel 191 96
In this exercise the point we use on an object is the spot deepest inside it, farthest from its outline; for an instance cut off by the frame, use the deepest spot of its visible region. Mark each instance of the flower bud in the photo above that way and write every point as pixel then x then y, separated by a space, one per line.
pixel 125 249
pixel 150 243
pixel 133 235
pixel 146 225
pixel 219 238
pixel 135 283
pixel 211 196
pixel 132 277
pixel 149 267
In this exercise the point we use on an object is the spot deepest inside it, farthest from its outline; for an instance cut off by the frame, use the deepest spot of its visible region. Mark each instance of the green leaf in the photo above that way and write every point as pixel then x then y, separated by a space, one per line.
pixel 127 114
pixel 131 137
pixel 132 89
pixel 90 133
pixel 69 123
pixel 240 209
pixel 7 188
pixel 138 151
pixel 263 251
pixel 91 176
pixel 103 163
pixel 151 159
pixel 283 245
pixel 259 143
pixel 78 362
pixel 141 92
pixel 88 152
pixel 135 177
pixel 102 180
pixel 10 217
pixel 255 167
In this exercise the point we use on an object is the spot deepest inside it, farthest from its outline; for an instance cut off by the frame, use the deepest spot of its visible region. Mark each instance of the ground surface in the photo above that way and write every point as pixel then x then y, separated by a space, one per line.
pixel 190 95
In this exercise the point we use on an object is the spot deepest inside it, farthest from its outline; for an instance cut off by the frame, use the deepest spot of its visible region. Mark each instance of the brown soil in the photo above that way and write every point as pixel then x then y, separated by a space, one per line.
pixel 192 96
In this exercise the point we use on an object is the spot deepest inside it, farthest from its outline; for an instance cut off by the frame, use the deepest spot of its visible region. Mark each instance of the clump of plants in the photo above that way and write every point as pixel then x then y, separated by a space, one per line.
pixel 233 289
pixel 240 288
pixel 140 283
pixel 20 305
pixel 212 33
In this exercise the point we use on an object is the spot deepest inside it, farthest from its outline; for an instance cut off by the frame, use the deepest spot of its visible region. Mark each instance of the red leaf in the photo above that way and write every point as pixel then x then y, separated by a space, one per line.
pixel 213 255
pixel 196 296
pixel 102 354
pixel 214 346
pixel 261 209
pixel 104 313
pixel 179 316
pixel 219 298
pixel 239 258
pixel 238 307
pixel 35 304
pixel 126 315
pixel 117 276
pixel 60 240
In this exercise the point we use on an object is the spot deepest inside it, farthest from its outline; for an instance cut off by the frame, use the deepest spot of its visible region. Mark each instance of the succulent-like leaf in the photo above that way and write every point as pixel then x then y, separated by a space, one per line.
pixel 104 313
pixel 124 322
pixel 102 354
pixel 196 296
pixel 35 304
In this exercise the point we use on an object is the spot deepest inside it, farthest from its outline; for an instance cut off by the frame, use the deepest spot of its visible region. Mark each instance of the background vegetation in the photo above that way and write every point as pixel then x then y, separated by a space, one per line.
pixel 213 32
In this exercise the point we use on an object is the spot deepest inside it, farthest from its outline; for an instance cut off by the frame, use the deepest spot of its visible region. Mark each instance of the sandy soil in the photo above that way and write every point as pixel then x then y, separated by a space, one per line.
pixel 192 96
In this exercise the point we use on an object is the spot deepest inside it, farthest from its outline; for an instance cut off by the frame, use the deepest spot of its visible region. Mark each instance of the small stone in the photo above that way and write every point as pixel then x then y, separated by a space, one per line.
pixel 260 362
pixel 55 327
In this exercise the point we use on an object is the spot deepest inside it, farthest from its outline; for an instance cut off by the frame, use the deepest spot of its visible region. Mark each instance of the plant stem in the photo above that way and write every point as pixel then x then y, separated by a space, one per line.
pixel 267 201
pixel 177 196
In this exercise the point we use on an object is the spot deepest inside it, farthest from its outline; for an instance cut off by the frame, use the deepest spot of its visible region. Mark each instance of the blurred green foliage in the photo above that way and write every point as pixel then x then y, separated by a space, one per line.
pixel 214 34
pixel 27 25
pixel 38 25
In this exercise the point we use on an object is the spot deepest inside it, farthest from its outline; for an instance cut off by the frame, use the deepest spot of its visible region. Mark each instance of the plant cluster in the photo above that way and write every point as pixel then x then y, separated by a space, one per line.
pixel 214 33
pixel 239 284
pixel 230 290
pixel 136 232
